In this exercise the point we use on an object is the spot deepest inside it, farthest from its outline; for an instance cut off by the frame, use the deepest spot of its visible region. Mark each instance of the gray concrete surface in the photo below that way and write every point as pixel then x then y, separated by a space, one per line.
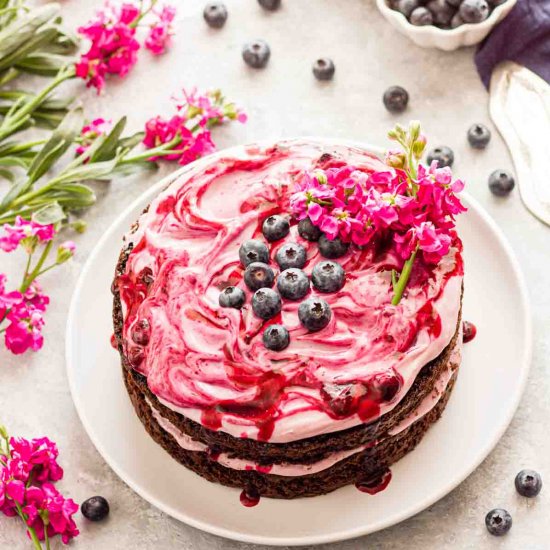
pixel 285 100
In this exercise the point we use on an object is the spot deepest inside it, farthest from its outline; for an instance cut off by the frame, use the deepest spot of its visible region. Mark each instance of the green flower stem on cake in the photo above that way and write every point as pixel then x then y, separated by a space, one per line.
pixel 413 144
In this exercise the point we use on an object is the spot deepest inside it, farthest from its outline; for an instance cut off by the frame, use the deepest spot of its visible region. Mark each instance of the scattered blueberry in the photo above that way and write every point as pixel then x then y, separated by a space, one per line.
pixel 258 275
pixel 266 303
pixel 232 296
pixel 406 6
pixel 314 314
pixel 474 11
pixel 328 276
pixel 256 54
pixel 215 14
pixel 479 136
pixel 324 69
pixel 421 17
pixel 95 508
pixel 456 21
pixel 308 231
pixel 270 5
pixel 528 483
pixel 253 251
pixel 275 228
pixel 396 99
pixel 441 11
pixel 293 284
pixel 443 154
pixel 276 337
pixel 498 522
pixel 291 255
pixel 332 249
pixel 501 183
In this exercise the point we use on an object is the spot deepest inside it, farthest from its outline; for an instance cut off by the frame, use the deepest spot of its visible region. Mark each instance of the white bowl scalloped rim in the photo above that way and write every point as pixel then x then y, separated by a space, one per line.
pixel 450 451
pixel 430 36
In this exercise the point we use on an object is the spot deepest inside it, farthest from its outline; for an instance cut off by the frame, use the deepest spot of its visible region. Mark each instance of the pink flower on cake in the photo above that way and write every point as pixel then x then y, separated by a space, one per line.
pixel 161 31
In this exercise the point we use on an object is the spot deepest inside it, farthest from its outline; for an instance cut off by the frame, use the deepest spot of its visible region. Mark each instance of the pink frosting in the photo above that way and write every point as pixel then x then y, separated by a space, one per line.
pixel 209 363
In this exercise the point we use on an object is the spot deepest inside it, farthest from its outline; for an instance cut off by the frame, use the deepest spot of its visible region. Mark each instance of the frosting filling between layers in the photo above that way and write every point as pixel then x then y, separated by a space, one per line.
pixel 295 470
pixel 209 364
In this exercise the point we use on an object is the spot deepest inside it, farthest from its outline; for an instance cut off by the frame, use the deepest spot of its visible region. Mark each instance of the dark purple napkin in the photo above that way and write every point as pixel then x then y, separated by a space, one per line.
pixel 523 37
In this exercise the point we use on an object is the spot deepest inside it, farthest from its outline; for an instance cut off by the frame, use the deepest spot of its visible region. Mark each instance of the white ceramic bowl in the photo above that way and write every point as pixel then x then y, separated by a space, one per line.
pixel 451 39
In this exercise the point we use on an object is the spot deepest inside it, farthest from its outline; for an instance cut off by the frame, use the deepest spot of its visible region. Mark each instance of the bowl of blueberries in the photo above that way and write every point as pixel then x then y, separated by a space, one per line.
pixel 445 24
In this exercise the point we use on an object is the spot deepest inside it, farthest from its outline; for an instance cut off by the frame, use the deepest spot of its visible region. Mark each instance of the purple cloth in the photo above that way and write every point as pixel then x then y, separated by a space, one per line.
pixel 523 36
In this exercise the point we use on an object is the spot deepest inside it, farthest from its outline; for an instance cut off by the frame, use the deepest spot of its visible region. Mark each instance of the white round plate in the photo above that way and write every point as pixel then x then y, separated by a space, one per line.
pixel 485 398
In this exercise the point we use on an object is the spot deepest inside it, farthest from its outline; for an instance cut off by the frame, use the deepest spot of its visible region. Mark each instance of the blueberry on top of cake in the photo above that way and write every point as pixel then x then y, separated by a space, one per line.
pixel 289 316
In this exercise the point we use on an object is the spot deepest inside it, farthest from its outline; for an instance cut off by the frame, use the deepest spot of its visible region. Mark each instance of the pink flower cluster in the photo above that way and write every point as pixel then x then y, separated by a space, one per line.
pixel 356 206
pixel 27 470
pixel 26 233
pixel 90 132
pixel 113 39
pixel 190 127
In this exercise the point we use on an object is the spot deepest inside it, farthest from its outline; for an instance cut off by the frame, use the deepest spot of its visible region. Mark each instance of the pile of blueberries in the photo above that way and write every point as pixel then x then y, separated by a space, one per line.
pixel 445 14
pixel 292 283
pixel 256 54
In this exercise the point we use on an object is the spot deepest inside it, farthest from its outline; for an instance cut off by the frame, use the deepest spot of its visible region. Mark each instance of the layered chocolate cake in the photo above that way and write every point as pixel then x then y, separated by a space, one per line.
pixel 275 334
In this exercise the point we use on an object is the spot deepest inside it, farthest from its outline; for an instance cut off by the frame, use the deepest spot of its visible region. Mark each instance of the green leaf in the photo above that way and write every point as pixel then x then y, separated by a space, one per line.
pixel 23 29
pixel 130 142
pixel 91 171
pixel 7 175
pixel 42 63
pixel 60 140
pixel 106 148
pixel 39 38
pixel 48 214
pixel 14 161
pixel 12 194
pixel 125 170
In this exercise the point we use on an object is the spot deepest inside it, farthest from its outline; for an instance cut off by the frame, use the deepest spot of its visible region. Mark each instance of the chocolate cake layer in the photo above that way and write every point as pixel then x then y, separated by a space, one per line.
pixel 360 466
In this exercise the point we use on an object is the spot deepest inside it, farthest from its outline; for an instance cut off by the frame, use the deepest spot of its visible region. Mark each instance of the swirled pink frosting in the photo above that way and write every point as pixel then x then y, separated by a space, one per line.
pixel 209 363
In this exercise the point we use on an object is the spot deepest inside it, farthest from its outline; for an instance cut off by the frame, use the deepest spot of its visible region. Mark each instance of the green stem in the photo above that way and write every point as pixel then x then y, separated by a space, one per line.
pixel 403 279
pixel 22 147
pixel 30 530
pixel 135 23
pixel 35 272
pixel 164 149
pixel 28 266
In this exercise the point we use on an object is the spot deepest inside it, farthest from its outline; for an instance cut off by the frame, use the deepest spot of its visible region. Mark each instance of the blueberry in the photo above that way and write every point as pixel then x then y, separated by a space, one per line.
pixel 332 249
pixel 308 231
pixel 474 11
pixel 396 99
pixel 141 332
pixel 441 11
pixel 266 303
pixel 498 522
pixel 479 136
pixel 95 508
pixel 314 314
pixel 443 154
pixel 253 251
pixel 291 255
pixel 276 337
pixel 328 276
pixel 456 21
pixel 275 228
pixel 501 183
pixel 421 17
pixel 232 296
pixel 258 275
pixel 528 483
pixel 256 54
pixel 293 284
pixel 324 69
pixel 406 6
pixel 270 5
pixel 215 14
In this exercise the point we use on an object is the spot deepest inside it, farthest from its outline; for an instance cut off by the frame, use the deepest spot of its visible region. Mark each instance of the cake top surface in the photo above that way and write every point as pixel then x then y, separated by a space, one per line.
pixel 210 363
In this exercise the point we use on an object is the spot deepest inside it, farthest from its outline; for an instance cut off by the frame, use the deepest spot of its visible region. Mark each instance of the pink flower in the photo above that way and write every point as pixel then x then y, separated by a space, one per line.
pixel 113 48
pixel 27 232
pixel 90 132
pixel 41 454
pixel 159 131
pixel 161 31
pixel 65 251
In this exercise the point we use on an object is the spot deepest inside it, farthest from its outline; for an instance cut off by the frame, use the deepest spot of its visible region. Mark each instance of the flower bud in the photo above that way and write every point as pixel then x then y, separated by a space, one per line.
pixel 65 252
pixel 414 130
pixel 418 146
pixel 321 177
pixel 396 158
pixel 79 226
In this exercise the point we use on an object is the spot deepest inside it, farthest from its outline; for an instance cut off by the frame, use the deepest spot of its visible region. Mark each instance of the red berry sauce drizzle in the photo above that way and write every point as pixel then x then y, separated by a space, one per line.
pixel 250 497
pixel 376 483
pixel 469 330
